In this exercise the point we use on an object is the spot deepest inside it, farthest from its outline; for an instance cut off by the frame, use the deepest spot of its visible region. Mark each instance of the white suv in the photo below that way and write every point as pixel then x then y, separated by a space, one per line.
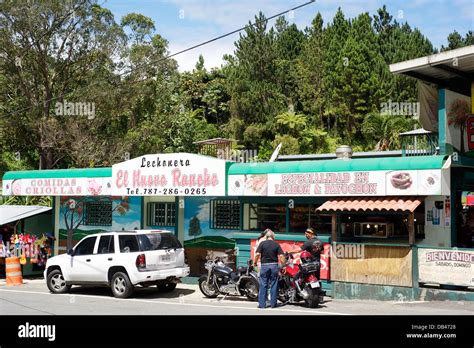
pixel 120 260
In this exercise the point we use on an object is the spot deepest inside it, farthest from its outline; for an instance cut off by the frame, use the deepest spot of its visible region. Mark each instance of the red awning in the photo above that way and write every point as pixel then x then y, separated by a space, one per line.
pixel 371 204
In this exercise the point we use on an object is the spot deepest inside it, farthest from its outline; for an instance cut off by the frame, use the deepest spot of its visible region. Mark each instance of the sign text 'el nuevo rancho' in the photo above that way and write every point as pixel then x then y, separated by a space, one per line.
pixel 170 174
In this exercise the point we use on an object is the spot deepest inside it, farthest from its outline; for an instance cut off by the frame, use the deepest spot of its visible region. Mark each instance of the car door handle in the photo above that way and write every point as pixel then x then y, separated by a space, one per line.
pixel 88 260
pixel 110 259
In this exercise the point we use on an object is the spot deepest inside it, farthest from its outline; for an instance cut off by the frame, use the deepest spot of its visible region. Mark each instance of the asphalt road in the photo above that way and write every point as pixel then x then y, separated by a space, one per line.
pixel 33 298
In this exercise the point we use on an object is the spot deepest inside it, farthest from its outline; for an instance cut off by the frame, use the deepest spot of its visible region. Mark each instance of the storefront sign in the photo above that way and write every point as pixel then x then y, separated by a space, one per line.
pixel 458 120
pixel 179 174
pixel 57 187
pixel 326 184
pixel 288 246
pixel 446 266
pixel 447 211
pixel 370 183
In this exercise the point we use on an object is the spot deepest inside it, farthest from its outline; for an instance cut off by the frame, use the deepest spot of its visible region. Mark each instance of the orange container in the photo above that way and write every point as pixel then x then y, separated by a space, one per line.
pixel 13 271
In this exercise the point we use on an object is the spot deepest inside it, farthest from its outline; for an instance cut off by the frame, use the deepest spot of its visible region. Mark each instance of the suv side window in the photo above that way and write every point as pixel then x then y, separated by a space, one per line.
pixel 86 247
pixel 128 243
pixel 106 245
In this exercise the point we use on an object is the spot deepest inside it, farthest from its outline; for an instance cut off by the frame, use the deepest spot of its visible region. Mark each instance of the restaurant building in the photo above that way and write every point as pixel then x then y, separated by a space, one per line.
pixel 395 224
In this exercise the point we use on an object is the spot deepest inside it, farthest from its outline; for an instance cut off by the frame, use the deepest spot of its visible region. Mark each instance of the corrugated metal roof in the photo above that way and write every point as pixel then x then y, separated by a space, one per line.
pixel 337 165
pixel 439 68
pixel 372 204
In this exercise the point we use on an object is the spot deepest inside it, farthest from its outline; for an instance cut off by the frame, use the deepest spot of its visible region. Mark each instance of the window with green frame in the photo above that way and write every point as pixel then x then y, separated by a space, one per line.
pixel 303 216
pixel 225 214
pixel 161 214
pixel 260 216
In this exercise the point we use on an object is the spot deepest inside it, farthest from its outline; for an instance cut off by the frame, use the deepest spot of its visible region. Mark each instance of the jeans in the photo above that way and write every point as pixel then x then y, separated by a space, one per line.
pixel 268 279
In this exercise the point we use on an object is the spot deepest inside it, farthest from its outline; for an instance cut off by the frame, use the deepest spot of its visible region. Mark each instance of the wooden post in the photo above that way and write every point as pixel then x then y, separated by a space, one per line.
pixel 334 228
pixel 411 228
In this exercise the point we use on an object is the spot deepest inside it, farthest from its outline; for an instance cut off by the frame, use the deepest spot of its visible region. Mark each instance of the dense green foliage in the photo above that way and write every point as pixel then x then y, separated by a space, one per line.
pixel 308 88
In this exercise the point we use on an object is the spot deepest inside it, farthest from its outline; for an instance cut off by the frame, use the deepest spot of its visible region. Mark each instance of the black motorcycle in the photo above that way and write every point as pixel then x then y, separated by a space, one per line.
pixel 222 280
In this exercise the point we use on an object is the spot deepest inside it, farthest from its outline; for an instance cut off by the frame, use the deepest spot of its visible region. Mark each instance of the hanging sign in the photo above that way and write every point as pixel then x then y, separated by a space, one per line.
pixel 57 187
pixel 174 174
pixel 368 183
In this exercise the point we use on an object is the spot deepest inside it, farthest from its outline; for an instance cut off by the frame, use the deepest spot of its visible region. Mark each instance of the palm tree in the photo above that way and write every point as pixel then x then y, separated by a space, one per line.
pixel 384 130
pixel 293 123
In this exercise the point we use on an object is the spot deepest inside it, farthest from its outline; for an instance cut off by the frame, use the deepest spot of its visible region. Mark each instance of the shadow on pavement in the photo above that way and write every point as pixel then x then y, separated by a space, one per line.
pixel 148 293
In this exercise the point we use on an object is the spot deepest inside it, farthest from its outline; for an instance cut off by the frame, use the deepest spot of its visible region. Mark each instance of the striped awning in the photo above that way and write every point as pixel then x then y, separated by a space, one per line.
pixel 372 204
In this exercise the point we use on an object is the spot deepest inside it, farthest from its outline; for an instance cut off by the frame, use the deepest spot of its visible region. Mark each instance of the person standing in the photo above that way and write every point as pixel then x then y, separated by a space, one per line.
pixel 271 256
pixel 312 245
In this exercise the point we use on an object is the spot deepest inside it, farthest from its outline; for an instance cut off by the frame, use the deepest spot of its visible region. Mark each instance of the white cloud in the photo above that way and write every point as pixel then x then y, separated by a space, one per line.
pixel 212 53
pixel 226 14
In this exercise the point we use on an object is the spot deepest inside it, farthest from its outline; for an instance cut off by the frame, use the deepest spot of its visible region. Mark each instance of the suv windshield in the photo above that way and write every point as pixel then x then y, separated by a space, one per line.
pixel 158 241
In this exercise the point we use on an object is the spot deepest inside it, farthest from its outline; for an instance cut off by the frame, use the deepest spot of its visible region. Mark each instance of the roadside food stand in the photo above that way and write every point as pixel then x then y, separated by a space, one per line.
pixel 391 221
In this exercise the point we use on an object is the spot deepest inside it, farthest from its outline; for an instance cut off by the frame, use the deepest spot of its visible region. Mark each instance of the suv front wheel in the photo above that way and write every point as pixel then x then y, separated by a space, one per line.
pixel 56 283
pixel 121 285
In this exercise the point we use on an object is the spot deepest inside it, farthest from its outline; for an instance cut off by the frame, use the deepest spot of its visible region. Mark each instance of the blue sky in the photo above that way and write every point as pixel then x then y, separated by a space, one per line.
pixel 185 23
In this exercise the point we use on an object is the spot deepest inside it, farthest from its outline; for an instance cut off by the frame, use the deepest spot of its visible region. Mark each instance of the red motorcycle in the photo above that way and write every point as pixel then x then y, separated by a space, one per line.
pixel 299 281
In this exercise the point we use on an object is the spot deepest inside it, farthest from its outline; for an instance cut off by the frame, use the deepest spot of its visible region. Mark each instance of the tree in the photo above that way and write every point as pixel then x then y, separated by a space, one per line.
pixel 335 38
pixel 359 76
pixel 140 25
pixel 291 123
pixel 50 51
pixel 252 83
pixel 309 67
pixel 194 227
pixel 289 42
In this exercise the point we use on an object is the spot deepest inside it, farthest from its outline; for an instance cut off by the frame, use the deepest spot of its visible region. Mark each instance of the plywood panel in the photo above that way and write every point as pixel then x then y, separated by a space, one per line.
pixel 382 265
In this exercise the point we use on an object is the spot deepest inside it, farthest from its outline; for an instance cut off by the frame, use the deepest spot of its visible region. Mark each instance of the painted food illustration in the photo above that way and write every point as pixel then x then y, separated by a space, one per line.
pixel 430 182
pixel 238 185
pixel 401 181
pixel 256 184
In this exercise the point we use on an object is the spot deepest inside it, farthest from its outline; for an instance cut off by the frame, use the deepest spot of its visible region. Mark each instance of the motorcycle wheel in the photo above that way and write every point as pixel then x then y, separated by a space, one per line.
pixel 313 299
pixel 283 295
pixel 251 289
pixel 208 290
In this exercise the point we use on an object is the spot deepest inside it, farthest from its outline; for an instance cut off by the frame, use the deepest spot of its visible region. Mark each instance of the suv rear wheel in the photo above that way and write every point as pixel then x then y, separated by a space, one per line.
pixel 121 285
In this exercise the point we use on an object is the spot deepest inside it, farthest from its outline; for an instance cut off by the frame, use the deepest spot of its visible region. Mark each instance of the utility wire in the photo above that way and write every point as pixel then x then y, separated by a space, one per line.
pixel 170 55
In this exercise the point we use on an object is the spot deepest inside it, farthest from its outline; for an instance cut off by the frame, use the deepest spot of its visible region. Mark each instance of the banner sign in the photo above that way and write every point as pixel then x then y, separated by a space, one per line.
pixel 459 123
pixel 446 266
pixel 370 183
pixel 288 246
pixel 57 187
pixel 174 174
